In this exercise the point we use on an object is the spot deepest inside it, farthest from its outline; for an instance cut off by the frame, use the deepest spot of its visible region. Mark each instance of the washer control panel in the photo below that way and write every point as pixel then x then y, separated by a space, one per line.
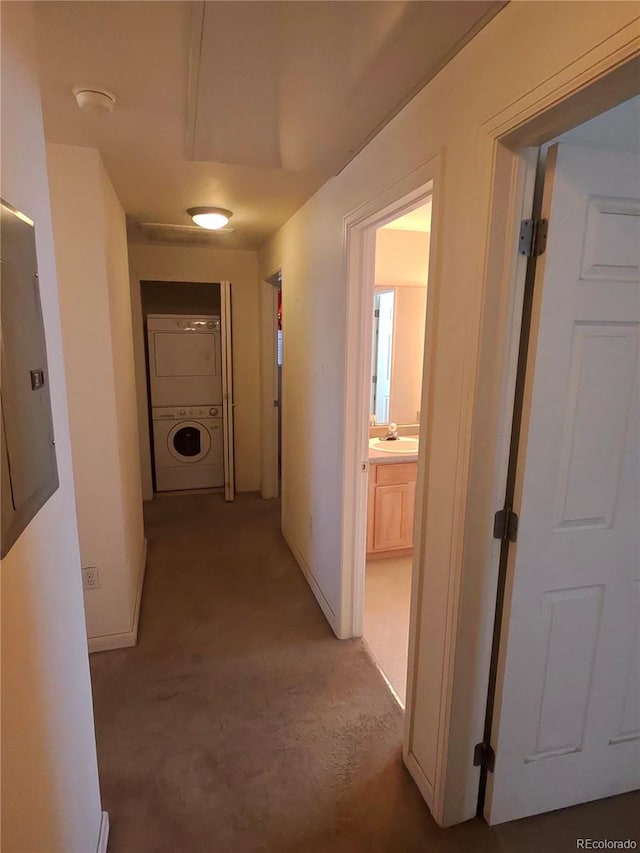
pixel 170 413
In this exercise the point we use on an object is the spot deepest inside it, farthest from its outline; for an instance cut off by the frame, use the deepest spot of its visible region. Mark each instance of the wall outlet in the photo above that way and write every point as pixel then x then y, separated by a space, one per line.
pixel 90 578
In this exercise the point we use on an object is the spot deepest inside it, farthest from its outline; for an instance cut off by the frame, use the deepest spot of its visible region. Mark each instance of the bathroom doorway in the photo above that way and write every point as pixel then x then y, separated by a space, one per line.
pixel 397 311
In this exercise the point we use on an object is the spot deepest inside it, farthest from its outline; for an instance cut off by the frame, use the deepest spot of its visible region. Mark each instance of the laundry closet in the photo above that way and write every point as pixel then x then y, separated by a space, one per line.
pixel 189 385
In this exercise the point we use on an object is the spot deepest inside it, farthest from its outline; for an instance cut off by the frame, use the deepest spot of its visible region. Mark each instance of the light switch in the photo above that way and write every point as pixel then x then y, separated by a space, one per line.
pixel 37 379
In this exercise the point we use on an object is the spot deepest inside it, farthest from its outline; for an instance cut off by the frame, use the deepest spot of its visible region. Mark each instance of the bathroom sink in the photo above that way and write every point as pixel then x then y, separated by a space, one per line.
pixel 400 445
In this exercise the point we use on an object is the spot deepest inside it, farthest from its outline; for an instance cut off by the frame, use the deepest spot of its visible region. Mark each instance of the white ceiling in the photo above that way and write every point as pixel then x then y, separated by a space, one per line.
pixel 416 220
pixel 251 106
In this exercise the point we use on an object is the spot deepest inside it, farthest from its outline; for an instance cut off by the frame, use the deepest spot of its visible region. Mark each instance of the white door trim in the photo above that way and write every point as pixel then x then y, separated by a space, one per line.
pixel 503 802
pixel 269 388
pixel 506 272
pixel 227 391
pixel 359 241
pixel 103 833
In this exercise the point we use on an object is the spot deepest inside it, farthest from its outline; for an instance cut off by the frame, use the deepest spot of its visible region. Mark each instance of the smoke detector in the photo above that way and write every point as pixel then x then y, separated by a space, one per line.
pixel 94 100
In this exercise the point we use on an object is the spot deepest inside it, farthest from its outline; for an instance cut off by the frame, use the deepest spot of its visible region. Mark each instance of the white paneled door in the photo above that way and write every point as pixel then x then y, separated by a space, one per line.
pixel 567 715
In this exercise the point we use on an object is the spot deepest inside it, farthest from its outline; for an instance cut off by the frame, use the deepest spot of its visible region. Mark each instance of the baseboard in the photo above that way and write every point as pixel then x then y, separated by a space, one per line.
pixel 178 493
pixel 109 642
pixel 103 835
pixel 389 555
pixel 326 608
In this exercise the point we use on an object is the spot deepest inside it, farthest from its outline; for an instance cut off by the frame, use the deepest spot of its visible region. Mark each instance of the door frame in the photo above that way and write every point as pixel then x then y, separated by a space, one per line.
pixel 360 243
pixel 269 484
pixel 597 81
pixel 526 335
pixel 228 404
pixel 141 366
pixel 510 143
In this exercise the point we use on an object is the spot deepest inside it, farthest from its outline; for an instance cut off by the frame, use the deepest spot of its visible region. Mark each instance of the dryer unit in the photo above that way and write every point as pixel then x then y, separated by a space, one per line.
pixel 185 358
pixel 188 447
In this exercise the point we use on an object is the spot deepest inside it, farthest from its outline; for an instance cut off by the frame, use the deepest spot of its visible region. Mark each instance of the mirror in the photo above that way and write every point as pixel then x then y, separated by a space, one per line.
pixel 399 314
pixel 398 347
pixel 383 302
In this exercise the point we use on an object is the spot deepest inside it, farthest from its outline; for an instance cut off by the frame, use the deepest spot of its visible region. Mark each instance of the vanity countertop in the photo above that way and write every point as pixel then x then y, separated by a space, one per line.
pixel 380 457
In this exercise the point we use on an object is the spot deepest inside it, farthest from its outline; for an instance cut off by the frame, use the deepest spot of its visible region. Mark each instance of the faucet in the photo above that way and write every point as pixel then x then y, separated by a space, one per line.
pixel 392 433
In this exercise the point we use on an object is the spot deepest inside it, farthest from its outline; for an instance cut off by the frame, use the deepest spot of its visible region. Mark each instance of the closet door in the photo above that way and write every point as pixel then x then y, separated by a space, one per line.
pixel 227 390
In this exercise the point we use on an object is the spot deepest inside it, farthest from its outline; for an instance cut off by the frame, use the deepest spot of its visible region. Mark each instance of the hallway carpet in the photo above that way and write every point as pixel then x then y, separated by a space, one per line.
pixel 239 724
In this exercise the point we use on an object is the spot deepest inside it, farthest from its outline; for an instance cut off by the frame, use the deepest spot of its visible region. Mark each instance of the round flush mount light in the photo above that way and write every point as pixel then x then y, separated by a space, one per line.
pixel 211 218
pixel 94 100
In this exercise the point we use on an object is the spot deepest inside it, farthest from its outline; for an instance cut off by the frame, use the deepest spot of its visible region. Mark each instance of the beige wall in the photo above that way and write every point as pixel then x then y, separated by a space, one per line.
pixel 178 263
pixel 408 349
pixel 447 119
pixel 50 793
pixel 402 258
pixel 91 258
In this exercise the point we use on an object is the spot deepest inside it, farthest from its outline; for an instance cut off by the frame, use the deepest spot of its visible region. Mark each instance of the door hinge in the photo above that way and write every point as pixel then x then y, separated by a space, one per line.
pixel 484 756
pixel 505 525
pixel 533 237
pixel 376 313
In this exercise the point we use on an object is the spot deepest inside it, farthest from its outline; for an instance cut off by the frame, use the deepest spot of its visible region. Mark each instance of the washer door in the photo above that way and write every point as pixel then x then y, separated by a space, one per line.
pixel 188 441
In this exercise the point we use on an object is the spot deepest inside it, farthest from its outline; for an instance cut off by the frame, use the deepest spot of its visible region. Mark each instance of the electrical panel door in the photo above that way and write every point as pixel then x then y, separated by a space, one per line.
pixel 29 468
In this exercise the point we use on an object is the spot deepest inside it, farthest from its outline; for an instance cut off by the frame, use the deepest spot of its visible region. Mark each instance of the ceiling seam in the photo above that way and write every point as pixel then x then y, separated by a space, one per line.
pixel 193 85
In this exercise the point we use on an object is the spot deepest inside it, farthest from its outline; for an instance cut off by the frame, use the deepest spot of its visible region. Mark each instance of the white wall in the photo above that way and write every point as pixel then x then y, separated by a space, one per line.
pixel 200 264
pixel 447 119
pixel 91 259
pixel 618 128
pixel 50 793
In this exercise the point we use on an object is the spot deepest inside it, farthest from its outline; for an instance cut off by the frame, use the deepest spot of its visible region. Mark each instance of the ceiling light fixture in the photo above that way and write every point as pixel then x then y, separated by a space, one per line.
pixel 94 100
pixel 210 218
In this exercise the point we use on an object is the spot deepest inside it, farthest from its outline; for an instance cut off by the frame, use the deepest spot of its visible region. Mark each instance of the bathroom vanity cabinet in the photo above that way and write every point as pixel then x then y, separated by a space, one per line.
pixel 392 488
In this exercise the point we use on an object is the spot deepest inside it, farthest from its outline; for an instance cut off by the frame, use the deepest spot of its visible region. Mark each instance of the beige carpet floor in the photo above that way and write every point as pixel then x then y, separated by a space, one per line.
pixel 387 604
pixel 239 724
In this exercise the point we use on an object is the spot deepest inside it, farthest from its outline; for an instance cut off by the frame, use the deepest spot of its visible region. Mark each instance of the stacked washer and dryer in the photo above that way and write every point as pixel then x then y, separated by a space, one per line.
pixel 185 381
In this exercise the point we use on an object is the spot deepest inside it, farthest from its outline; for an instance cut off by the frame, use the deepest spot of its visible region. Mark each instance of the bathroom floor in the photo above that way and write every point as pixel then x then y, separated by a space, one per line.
pixel 386 618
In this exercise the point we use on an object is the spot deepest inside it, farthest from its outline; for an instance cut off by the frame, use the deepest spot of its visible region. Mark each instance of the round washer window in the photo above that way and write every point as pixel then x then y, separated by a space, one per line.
pixel 189 442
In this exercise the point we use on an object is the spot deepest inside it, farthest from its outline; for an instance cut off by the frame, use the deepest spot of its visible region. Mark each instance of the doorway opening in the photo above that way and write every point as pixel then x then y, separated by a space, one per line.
pixel 272 348
pixel 187 338
pixel 397 288
pixel 276 281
